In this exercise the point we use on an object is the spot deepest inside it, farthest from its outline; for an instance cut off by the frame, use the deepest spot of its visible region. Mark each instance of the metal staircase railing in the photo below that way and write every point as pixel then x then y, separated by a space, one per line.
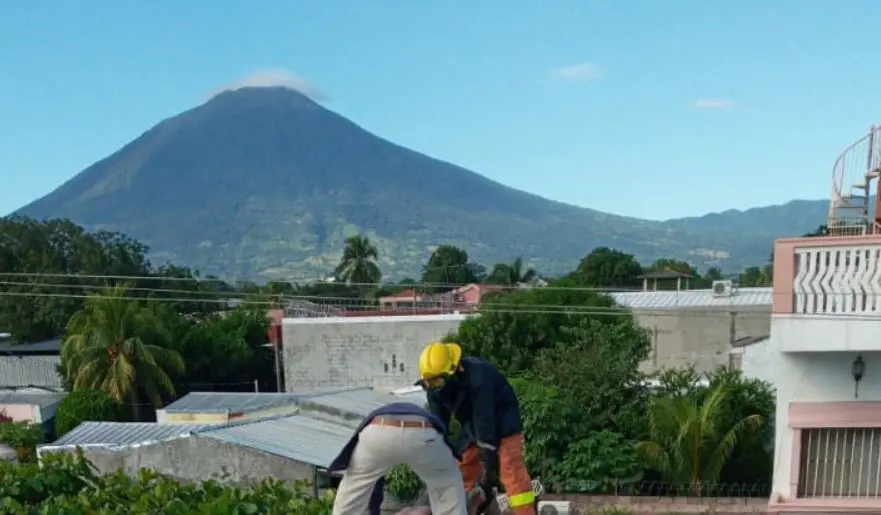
pixel 852 176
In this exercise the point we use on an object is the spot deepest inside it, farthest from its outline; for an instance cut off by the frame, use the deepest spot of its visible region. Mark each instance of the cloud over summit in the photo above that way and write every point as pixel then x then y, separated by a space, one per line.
pixel 276 77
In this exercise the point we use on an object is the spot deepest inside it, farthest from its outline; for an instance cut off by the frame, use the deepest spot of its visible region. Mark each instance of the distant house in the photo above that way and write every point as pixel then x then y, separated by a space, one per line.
pixel 462 298
pixel 408 298
pixel 30 365
pixel 650 280
pixel 37 407
pixel 702 328
pixel 225 407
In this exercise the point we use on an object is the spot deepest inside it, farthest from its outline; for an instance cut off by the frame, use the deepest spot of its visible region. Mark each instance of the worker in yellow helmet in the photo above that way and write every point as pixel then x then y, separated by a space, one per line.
pixel 485 405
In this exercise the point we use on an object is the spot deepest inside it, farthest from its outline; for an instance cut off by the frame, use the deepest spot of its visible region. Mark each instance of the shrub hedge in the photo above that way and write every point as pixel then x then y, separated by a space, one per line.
pixel 66 484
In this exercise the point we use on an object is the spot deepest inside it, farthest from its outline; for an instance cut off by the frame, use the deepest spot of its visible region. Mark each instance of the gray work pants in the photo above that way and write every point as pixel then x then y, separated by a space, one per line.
pixel 380 448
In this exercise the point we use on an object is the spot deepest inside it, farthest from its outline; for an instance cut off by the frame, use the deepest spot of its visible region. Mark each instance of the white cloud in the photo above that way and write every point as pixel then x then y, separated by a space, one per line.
pixel 276 77
pixel 713 103
pixel 580 71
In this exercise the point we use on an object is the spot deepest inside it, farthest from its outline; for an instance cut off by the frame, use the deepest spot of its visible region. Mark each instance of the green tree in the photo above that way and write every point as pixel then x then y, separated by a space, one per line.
pixel 38 303
pixel 688 442
pixel 514 326
pixel 756 276
pixel 226 352
pixel 447 268
pixel 86 405
pixel 358 263
pixel 118 346
pixel 511 274
pixel 675 265
pixel 598 363
pixel 821 230
pixel 607 268
pixel 714 273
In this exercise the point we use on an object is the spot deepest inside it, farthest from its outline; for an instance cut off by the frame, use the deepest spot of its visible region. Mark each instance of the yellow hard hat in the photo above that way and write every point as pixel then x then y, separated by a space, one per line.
pixel 439 359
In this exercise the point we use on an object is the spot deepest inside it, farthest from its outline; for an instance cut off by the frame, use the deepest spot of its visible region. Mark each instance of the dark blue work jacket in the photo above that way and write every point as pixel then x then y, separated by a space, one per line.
pixel 341 462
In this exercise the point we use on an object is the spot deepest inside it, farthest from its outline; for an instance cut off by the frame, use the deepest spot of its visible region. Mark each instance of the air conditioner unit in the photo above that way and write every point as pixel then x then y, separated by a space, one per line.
pixel 723 288
pixel 554 507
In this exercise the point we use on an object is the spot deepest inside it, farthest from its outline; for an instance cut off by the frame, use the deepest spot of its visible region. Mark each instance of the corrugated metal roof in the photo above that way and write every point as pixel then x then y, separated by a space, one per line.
pixel 692 299
pixel 206 402
pixel 123 433
pixel 29 371
pixel 49 346
pixel 412 393
pixel 297 437
pixel 42 399
pixel 355 402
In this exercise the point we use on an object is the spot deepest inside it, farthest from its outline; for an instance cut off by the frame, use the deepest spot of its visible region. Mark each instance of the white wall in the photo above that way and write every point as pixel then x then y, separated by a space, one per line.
pixel 806 377
pixel 820 333
pixel 352 352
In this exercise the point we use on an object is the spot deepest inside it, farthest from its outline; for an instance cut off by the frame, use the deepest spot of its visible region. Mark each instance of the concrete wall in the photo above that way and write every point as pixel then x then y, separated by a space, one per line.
pixel 700 337
pixel 350 352
pixel 197 458
pixel 808 377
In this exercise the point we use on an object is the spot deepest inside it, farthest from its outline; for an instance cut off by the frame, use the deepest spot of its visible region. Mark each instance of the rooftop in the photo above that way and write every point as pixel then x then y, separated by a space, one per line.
pixel 112 434
pixel 665 274
pixel 43 399
pixel 207 402
pixel 684 299
pixel 297 437
pixel 22 371
pixel 349 403
pixel 344 402
pixel 17 349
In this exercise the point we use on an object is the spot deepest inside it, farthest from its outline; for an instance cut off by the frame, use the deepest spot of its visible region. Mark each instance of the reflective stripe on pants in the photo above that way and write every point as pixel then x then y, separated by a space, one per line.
pixel 512 473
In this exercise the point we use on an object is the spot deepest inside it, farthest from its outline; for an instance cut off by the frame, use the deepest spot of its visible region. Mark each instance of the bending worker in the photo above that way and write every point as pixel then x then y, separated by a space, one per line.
pixel 485 405
pixel 398 434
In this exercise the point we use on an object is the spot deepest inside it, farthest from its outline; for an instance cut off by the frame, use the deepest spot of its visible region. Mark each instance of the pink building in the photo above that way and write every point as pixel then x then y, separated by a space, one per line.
pixel 824 354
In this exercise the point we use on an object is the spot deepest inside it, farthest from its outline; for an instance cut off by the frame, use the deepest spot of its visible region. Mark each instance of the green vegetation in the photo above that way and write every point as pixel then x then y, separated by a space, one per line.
pixel 23 437
pixel 83 405
pixel 66 484
pixel 136 336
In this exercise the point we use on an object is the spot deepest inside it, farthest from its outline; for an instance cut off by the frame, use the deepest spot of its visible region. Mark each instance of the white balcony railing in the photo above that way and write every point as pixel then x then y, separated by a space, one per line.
pixel 840 463
pixel 841 279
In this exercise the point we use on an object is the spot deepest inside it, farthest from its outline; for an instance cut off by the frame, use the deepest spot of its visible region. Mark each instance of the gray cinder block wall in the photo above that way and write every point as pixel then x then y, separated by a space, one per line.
pixel 195 458
pixel 383 352
pixel 699 337
pixel 379 352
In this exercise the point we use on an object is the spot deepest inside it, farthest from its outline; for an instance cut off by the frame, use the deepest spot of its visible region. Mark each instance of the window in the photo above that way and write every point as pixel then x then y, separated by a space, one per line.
pixel 840 462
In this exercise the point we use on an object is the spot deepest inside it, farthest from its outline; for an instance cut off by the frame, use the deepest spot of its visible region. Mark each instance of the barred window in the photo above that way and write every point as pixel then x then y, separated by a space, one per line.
pixel 840 462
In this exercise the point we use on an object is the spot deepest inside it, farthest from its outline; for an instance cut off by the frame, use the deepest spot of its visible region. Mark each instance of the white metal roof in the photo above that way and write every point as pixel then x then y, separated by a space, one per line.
pixel 684 299
pixel 297 437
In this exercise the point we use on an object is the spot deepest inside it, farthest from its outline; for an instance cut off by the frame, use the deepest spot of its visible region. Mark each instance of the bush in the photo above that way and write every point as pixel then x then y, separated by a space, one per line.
pixel 23 437
pixel 84 405
pixel 403 484
pixel 66 484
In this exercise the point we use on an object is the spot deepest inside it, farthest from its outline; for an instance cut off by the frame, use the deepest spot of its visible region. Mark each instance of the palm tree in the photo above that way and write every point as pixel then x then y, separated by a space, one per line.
pixel 511 274
pixel 116 345
pixel 686 442
pixel 358 263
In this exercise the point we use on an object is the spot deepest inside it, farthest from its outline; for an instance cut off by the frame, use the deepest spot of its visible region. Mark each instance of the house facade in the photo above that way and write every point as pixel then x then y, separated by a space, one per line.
pixel 699 328
pixel 824 358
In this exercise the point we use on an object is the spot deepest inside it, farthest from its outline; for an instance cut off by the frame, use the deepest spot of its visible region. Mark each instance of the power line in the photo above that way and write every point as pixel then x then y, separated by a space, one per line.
pixel 405 286
pixel 486 307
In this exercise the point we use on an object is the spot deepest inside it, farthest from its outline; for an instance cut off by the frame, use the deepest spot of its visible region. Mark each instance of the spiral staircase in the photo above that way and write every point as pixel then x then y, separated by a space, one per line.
pixel 850 212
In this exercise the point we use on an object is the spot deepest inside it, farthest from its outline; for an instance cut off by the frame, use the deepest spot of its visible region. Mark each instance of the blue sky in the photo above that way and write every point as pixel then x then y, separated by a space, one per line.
pixel 644 108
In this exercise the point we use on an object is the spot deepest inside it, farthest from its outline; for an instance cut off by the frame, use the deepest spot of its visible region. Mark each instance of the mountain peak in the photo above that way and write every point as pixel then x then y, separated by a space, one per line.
pixel 273 81
pixel 263 95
